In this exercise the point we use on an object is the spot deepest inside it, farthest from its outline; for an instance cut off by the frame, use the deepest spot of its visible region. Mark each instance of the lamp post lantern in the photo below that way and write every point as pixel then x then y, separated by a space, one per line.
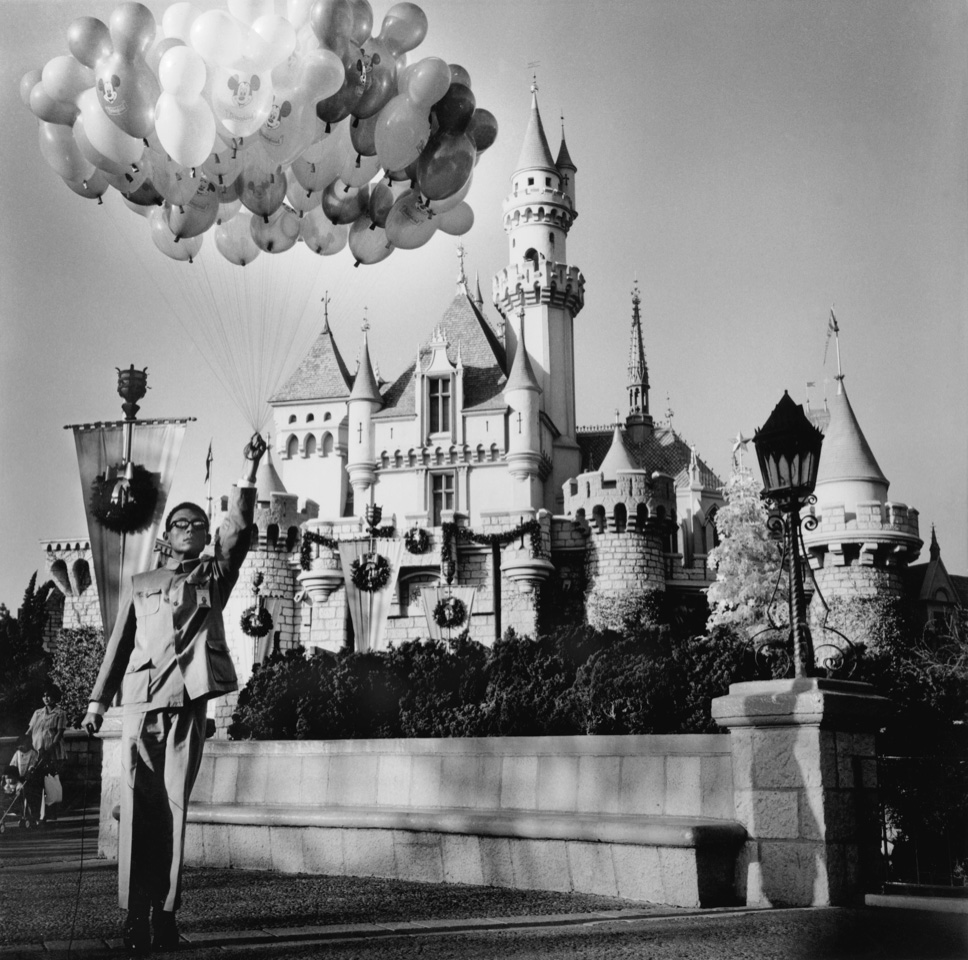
pixel 788 450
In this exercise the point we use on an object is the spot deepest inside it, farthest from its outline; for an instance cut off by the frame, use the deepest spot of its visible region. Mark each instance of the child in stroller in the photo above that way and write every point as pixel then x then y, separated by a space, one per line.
pixel 22 787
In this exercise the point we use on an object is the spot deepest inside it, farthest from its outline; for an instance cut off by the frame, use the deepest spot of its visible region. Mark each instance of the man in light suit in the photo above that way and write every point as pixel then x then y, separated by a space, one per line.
pixel 168 656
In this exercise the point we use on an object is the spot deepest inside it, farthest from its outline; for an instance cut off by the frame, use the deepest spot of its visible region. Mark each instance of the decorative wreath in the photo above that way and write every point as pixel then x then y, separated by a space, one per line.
pixel 416 540
pixel 124 506
pixel 450 612
pixel 256 621
pixel 370 573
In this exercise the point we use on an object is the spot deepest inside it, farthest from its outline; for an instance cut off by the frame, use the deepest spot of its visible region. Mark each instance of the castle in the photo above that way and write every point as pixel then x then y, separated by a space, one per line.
pixel 526 517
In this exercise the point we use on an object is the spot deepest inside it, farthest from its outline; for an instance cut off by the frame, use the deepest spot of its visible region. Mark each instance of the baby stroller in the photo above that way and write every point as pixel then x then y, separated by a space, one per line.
pixel 21 806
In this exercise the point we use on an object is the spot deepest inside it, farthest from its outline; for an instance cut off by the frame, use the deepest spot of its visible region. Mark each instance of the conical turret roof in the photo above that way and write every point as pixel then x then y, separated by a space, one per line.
pixel 365 385
pixel 564 161
pixel 535 152
pixel 617 457
pixel 522 373
pixel 846 455
pixel 267 479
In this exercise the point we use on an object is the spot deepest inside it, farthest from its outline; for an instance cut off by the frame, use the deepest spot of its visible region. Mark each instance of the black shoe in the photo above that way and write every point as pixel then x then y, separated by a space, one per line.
pixel 164 930
pixel 136 933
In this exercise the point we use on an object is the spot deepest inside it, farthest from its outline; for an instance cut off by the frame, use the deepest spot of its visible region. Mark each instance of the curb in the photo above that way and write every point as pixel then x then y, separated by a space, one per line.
pixel 308 935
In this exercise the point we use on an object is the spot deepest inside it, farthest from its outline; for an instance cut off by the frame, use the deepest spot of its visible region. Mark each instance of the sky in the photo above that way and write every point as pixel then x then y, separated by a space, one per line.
pixel 750 165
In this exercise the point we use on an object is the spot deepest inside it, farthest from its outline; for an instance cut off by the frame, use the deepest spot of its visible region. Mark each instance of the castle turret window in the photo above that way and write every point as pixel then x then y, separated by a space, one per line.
pixel 292 447
pixel 439 396
pixel 310 445
pixel 442 487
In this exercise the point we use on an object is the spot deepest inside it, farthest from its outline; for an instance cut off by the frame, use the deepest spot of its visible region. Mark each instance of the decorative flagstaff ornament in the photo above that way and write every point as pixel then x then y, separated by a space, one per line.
pixel 450 613
pixel 370 573
pixel 127 466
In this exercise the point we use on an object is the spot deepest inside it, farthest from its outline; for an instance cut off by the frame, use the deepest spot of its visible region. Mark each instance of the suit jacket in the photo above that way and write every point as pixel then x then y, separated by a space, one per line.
pixel 169 639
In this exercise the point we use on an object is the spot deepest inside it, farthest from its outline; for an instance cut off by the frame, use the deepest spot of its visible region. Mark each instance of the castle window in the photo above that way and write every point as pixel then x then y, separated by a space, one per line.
pixel 551 238
pixel 532 255
pixel 530 181
pixel 327 444
pixel 711 522
pixel 80 576
pixel 620 516
pixel 442 492
pixel 310 417
pixel 327 416
pixel 292 447
pixel 310 445
pixel 292 418
pixel 641 517
pixel 272 534
pixel 439 395
pixel 58 573
pixel 547 181
pixel 292 537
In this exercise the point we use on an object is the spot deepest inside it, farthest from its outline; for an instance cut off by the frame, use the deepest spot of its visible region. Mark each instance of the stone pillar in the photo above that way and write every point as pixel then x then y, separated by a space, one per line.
pixel 804 781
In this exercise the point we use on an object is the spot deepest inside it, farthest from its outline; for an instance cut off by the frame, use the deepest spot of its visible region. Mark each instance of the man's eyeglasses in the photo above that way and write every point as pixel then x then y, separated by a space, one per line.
pixel 189 524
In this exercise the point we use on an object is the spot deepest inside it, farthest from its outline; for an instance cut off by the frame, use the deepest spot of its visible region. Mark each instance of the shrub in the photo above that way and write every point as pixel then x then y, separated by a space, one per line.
pixel 623 614
pixel 74 667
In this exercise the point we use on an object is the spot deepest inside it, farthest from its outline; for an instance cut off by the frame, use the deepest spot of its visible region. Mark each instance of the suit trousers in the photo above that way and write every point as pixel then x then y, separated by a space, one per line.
pixel 161 752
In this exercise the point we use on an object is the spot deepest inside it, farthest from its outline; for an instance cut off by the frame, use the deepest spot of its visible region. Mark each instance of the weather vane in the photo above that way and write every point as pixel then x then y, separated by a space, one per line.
pixel 533 67
pixel 365 325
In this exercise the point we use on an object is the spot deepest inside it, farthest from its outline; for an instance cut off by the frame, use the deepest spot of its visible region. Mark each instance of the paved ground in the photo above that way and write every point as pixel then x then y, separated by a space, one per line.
pixel 53 904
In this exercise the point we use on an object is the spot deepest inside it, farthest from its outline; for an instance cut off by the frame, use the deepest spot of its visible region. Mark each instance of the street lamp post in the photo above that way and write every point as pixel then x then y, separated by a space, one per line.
pixel 788 450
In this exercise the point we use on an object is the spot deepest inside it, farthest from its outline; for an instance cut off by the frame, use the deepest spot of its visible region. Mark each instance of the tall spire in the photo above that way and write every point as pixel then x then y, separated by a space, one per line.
pixel 535 152
pixel 564 161
pixel 364 384
pixel 638 370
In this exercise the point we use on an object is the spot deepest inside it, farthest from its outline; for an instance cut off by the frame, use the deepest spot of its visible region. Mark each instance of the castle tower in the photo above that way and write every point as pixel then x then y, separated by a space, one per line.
pixel 639 421
pixel 364 401
pixel 863 542
pixel 524 441
pixel 630 515
pixel 538 213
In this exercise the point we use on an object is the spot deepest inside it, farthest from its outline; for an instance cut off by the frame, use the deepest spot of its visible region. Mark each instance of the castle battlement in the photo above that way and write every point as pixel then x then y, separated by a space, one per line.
pixel 634 499
pixel 871 518
pixel 547 282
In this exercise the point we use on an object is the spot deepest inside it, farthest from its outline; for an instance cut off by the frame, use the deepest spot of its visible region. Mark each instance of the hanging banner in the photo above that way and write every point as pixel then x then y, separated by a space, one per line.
pixel 448 610
pixel 369 609
pixel 117 555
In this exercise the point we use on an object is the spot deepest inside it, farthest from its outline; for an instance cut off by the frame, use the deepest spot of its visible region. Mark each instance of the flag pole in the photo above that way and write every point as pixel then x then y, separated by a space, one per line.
pixel 208 479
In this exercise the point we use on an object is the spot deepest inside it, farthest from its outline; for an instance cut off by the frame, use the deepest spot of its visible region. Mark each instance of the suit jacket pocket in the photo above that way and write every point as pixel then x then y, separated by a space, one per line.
pixel 220 665
pixel 134 686
pixel 147 602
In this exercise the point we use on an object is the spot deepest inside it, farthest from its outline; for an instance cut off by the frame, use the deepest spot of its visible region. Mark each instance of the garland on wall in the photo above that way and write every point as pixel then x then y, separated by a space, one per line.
pixel 451 532
pixel 310 537
pixel 124 505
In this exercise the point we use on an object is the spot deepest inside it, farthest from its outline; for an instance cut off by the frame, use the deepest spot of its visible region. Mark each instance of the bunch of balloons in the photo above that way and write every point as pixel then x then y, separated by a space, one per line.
pixel 265 129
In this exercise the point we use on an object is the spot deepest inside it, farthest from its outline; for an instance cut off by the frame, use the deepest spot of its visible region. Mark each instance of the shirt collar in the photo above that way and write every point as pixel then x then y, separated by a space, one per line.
pixel 182 566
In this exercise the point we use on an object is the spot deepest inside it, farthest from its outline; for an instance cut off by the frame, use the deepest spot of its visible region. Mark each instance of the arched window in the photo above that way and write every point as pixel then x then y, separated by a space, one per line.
pixel 58 573
pixel 81 576
pixel 310 417
pixel 620 515
pixel 310 445
pixel 532 255
pixel 292 418
pixel 327 416
pixel 292 537
pixel 292 447
pixel 641 517
pixel 272 534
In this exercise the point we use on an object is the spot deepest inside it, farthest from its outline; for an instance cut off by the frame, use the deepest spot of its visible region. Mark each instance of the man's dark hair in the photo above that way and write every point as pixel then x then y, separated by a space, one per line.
pixel 187 505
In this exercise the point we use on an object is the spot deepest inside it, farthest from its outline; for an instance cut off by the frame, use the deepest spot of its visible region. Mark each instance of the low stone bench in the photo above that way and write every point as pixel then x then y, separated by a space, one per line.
pixel 688 861
pixel 646 818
